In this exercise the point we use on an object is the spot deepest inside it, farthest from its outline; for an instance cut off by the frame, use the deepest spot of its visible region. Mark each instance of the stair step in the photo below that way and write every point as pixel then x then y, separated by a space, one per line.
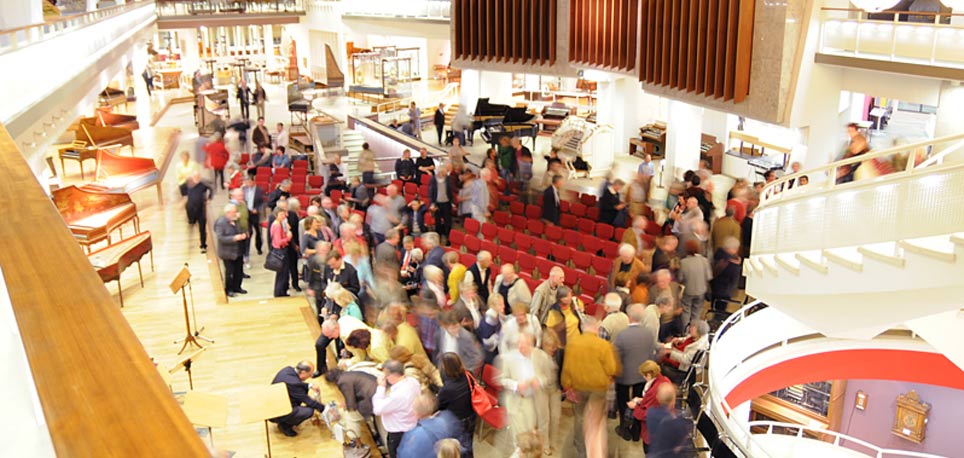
pixel 958 238
pixel 930 250
pixel 757 265
pixel 795 270
pixel 892 259
pixel 769 266
pixel 815 265
pixel 849 262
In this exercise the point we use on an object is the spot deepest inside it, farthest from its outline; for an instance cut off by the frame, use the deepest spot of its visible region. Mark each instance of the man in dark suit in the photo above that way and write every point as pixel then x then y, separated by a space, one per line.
pixel 612 210
pixel 254 198
pixel 434 252
pixel 441 192
pixel 338 271
pixel 198 195
pixel 481 275
pixel 439 121
pixel 294 251
pixel 244 98
pixel 283 191
pixel 386 253
pixel 230 239
pixel 550 200
pixel 302 406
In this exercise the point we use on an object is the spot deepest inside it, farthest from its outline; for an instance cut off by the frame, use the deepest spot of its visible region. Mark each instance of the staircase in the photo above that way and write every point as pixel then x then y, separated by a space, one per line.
pixel 850 278
pixel 352 141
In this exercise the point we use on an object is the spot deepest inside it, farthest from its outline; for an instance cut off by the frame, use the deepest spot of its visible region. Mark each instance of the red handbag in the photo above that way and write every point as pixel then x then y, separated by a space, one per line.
pixel 481 401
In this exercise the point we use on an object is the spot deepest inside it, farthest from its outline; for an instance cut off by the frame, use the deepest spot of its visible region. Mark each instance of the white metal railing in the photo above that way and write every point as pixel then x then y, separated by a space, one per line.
pixel 927 40
pixel 839 439
pixel 21 37
pixel 825 214
pixel 173 8
pixel 420 9
pixel 732 348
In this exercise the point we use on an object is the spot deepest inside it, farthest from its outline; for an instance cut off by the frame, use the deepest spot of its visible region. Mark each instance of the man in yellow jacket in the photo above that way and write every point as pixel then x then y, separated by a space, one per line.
pixel 587 370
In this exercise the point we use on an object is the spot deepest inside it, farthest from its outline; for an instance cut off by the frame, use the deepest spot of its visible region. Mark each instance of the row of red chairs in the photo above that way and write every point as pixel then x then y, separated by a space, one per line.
pixel 563 255
pixel 590 236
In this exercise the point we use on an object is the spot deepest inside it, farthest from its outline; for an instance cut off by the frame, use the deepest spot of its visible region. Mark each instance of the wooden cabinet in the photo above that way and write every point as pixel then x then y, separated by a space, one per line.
pixel 818 404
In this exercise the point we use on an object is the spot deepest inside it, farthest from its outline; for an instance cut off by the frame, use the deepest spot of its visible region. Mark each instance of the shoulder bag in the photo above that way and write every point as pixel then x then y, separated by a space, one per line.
pixel 275 261
pixel 481 401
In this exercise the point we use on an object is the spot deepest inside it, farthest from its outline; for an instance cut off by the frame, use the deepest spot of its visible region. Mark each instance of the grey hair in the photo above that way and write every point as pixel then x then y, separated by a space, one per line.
pixel 636 313
pixel 294 204
pixel 229 207
pixel 394 367
pixel 433 272
pixel 417 254
pixel 430 239
pixel 731 243
pixel 484 255
pixel 664 299
pixel 613 302
pixel 562 292
pixel 702 327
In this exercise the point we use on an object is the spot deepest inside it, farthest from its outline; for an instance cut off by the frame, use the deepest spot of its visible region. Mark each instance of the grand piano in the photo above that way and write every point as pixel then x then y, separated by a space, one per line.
pixel 104 117
pixel 124 175
pixel 92 216
pixel 497 121
pixel 94 136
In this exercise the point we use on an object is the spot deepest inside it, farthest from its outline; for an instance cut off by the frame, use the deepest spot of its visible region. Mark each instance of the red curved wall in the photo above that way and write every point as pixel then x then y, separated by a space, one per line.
pixel 872 364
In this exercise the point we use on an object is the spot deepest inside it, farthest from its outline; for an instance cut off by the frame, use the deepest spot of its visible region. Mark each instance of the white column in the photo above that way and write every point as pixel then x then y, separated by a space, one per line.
pixel 19 13
pixel 497 86
pixel 91 5
pixel 190 56
pixel 470 89
pixel 950 109
pixel 683 129
pixel 139 63
pixel 268 36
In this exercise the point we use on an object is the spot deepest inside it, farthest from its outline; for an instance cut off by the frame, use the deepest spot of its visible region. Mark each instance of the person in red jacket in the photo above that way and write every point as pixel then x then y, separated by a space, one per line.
pixel 654 378
pixel 217 158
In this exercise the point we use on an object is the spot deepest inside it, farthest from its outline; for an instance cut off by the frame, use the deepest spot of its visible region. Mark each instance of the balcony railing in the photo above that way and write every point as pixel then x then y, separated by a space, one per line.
pixel 914 38
pixel 20 37
pixel 173 8
pixel 838 439
pixel 417 9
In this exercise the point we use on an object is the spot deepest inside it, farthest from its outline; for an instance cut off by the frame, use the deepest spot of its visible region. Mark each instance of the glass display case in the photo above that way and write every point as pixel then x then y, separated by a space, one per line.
pixel 816 404
pixel 383 71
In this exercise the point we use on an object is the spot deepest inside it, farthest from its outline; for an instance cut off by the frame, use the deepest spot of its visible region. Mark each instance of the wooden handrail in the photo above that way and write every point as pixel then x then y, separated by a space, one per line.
pixel 100 393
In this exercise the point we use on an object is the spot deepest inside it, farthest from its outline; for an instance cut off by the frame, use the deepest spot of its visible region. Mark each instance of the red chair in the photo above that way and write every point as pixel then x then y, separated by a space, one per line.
pixel 244 159
pixel 542 247
pixel 572 276
pixel 560 253
pixel 263 171
pixel 648 240
pixel 466 259
pixel 581 260
pixel 591 285
pixel 316 181
pixel 572 238
pixel 472 243
pixel 604 231
pixel 653 229
pixel 506 236
pixel 517 208
pixel 527 262
pixel 563 206
pixel 568 221
pixel 586 226
pixel 508 254
pixel 501 218
pixel 610 249
pixel 410 188
pixel 336 196
pixel 302 199
pixel 524 242
pixel 299 164
pixel 532 283
pixel 539 200
pixel 591 244
pixel 518 222
pixel 543 265
pixel 456 238
pixel 578 209
pixel 490 246
pixel 591 307
pixel 297 189
pixel 398 184
pixel 535 227
pixel 429 219
pixel 553 233
pixel 588 200
pixel 602 266
pixel 618 236
pixel 592 213
pixel 423 191
pixel 490 378
pixel 489 231
pixel 533 212
pixel 471 226
pixel 281 173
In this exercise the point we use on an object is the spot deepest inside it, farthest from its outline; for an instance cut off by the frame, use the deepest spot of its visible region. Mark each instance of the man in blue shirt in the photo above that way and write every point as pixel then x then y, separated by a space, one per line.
pixel 420 441
pixel 280 159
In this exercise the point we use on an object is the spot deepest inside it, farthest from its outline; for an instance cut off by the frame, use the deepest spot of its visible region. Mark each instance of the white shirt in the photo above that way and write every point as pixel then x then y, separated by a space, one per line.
pixel 397 405
pixel 281 139
pixel 450 344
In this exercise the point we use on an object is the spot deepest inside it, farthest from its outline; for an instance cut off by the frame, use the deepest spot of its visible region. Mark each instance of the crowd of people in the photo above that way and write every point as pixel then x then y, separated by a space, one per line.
pixel 414 332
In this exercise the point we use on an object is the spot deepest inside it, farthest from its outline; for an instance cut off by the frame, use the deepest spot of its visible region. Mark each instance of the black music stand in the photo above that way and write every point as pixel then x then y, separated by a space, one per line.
pixel 186 362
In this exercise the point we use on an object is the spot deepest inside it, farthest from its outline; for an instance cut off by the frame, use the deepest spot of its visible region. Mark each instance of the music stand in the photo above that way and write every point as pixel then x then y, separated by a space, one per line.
pixel 206 409
pixel 186 363
pixel 263 403
pixel 183 279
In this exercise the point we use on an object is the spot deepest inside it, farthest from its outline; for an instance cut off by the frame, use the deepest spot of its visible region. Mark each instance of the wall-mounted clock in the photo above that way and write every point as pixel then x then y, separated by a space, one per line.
pixel 910 420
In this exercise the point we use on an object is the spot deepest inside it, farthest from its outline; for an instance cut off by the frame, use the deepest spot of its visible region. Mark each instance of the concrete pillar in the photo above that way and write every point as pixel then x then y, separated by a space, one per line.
pixel 683 129
pixel 268 35
pixel 950 109
pixel 19 13
pixel 91 5
pixel 497 86
pixel 190 56
pixel 469 89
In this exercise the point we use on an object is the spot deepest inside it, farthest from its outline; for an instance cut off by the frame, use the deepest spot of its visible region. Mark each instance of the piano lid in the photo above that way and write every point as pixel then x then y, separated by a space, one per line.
pixel 516 115
pixel 484 108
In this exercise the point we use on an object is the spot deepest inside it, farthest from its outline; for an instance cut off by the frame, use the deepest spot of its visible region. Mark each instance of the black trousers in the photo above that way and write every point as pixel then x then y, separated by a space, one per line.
pixel 439 128
pixel 297 415
pixel 281 279
pixel 321 347
pixel 233 274
pixel 291 257
pixel 443 218
pixel 202 225
pixel 245 110
pixel 219 178
pixel 624 393
pixel 394 439
pixel 254 228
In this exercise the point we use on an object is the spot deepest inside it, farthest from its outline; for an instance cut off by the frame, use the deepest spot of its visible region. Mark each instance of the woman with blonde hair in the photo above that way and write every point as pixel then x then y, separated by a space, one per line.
pixel 528 445
pixel 346 300
pixel 357 256
pixel 654 377
pixel 448 448
pixel 418 367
